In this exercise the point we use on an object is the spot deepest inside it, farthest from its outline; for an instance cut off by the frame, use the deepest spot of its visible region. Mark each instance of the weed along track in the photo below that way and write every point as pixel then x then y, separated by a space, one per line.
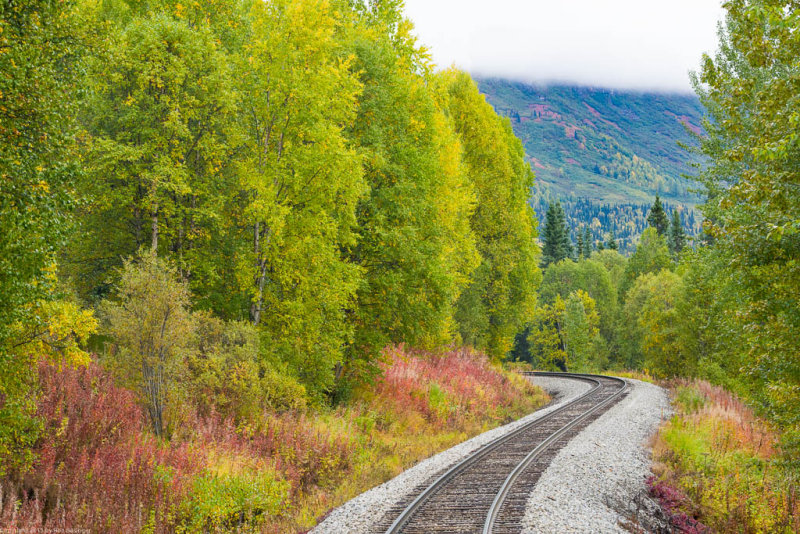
pixel 487 491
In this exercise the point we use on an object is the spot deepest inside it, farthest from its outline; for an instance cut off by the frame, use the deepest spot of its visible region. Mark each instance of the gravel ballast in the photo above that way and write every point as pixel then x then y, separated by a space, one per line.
pixel 596 484
pixel 359 514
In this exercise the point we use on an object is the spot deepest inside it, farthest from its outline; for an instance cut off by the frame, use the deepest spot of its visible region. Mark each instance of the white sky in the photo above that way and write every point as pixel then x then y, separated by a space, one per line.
pixel 632 44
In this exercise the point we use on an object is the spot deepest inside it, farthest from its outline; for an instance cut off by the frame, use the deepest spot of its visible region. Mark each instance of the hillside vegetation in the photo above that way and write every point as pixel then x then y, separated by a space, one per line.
pixel 609 146
pixel 604 153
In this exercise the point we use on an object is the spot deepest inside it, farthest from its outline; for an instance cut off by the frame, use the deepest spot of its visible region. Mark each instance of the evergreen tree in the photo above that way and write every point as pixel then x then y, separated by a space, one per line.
pixel 588 244
pixel 557 244
pixel 657 218
pixel 581 253
pixel 677 236
pixel 612 243
pixel 566 239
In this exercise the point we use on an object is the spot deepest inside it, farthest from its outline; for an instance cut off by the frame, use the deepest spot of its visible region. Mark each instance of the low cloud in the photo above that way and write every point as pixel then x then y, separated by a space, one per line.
pixel 627 44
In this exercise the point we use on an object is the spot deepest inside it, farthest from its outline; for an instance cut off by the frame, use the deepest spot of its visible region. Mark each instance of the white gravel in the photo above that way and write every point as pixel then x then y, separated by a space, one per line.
pixel 574 495
pixel 359 514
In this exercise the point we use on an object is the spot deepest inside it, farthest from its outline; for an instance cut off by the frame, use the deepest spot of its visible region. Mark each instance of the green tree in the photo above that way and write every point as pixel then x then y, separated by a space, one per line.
pixel 42 53
pixel 160 100
pixel 502 291
pixel 150 322
pixel 556 243
pixel 713 338
pixel 300 180
pixel 589 276
pixel 652 337
pixel 753 208
pixel 614 263
pixel 580 328
pixel 677 235
pixel 657 218
pixel 545 341
pixel 415 218
pixel 588 242
pixel 580 247
pixel 612 242
pixel 651 256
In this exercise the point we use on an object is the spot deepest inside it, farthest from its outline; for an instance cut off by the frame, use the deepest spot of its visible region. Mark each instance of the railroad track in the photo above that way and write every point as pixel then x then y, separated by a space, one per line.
pixel 487 491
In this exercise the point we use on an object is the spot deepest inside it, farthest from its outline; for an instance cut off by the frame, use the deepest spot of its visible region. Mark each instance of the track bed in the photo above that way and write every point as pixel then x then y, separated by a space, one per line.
pixel 487 491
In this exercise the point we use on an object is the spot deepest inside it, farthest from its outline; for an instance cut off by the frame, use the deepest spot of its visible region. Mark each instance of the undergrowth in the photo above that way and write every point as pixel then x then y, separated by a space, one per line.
pixel 98 467
pixel 644 376
pixel 720 469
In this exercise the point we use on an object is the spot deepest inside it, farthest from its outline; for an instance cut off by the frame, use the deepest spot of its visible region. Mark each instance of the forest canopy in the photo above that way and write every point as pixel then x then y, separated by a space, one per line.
pixel 292 175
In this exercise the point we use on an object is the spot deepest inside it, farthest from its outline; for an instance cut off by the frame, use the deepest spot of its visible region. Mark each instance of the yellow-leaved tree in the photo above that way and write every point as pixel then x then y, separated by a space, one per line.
pixel 150 321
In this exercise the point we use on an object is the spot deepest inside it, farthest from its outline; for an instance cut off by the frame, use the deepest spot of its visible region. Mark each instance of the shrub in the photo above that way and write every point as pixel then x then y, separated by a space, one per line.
pixel 151 324
pixel 227 375
pixel 673 502
pixel 447 389
pixel 689 399
pixel 227 502
pixel 94 467
pixel 726 463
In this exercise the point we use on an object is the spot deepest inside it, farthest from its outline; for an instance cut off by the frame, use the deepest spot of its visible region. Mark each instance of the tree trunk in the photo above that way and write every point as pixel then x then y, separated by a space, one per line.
pixel 152 394
pixel 154 219
pixel 259 247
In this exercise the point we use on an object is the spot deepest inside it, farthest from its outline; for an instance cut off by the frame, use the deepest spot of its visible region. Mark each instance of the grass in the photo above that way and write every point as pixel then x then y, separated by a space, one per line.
pixel 644 376
pixel 98 467
pixel 720 468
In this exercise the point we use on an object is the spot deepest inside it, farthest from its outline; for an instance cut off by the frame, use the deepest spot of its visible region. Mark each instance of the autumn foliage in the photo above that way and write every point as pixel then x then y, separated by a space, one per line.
pixel 98 466
pixel 446 389
pixel 720 468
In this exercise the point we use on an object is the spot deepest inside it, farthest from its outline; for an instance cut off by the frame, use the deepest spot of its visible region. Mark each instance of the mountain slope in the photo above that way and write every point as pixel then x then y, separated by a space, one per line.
pixel 604 151
pixel 604 145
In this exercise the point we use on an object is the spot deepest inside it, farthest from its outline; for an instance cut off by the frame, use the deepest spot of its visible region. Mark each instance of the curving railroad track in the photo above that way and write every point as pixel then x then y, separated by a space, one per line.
pixel 487 491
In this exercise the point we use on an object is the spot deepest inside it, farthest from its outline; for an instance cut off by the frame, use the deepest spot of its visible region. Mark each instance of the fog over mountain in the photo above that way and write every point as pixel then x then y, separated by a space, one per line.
pixel 627 44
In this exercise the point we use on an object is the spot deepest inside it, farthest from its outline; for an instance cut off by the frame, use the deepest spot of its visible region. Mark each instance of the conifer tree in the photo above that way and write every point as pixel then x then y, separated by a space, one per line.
pixel 557 244
pixel 581 247
pixel 566 240
pixel 612 242
pixel 588 244
pixel 657 218
pixel 677 236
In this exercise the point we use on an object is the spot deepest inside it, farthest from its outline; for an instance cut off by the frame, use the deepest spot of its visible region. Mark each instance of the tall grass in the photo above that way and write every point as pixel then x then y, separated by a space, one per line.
pixel 99 468
pixel 726 463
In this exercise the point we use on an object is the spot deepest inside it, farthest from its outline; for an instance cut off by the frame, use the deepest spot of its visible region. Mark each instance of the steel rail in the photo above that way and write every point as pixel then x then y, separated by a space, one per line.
pixel 500 498
pixel 406 515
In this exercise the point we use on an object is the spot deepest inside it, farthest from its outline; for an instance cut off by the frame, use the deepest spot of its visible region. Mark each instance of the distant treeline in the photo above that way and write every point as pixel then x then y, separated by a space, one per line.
pixel 626 221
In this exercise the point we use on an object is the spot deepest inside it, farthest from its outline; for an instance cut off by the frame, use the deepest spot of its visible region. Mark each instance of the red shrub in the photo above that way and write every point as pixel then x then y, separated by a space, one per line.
pixel 445 388
pixel 95 468
pixel 673 502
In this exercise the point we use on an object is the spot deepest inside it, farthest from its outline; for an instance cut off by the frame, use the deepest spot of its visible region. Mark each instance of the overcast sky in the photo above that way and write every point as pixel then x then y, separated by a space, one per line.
pixel 634 44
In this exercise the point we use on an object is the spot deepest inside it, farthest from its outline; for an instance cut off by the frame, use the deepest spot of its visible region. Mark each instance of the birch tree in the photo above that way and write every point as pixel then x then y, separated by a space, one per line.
pixel 151 324
pixel 299 180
